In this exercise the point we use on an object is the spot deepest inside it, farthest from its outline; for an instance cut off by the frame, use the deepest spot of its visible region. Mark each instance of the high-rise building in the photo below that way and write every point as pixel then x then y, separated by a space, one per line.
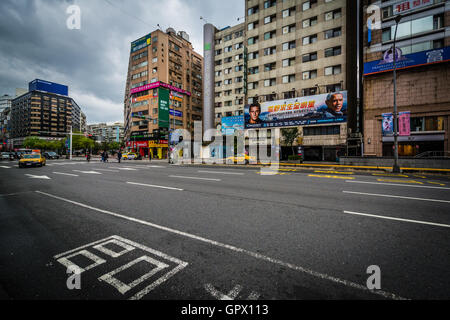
pixel 45 111
pixel 5 102
pixel 423 70
pixel 106 132
pixel 163 91
pixel 291 52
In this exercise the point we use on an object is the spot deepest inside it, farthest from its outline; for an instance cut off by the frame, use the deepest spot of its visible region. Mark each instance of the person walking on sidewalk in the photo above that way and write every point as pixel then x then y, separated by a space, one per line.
pixel 119 155
pixel 103 156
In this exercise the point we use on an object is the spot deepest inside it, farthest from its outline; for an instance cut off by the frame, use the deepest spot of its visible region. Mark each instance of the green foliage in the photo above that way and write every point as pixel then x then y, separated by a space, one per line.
pixel 295 157
pixel 289 135
pixel 31 142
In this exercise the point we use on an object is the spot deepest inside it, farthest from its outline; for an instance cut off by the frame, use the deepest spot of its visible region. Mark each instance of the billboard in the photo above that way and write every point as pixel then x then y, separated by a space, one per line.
pixel 163 108
pixel 48 86
pixel 387 126
pixel 318 109
pixel 157 85
pixel 406 61
pixel 141 43
pixel 404 123
pixel 176 113
pixel 230 124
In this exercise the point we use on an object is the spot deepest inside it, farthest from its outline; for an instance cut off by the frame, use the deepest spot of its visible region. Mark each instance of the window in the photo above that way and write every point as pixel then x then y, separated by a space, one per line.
pixel 218 83
pixel 270 18
pixel 321 131
pixel 270 3
pixel 309 22
pixel 218 62
pixel 270 82
pixel 218 51
pixel 269 66
pixel 332 70
pixel 238 91
pixel 227 60
pixel 289 78
pixel 227 93
pixel 228 81
pixel 288 45
pixel 238 34
pixel 288 12
pixel 269 35
pixel 333 88
pixel 218 73
pixel 288 29
pixel 239 45
pixel 228 49
pixel 410 28
pixel 252 10
pixel 238 68
pixel 253 70
pixel 336 32
pixel 288 62
pixel 252 40
pixel 269 51
pixel 309 57
pixel 335 51
pixel 253 85
pixel 238 79
pixel 239 56
pixel 309 91
pixel 308 4
pixel 154 60
pixel 252 25
pixel 335 14
pixel 228 104
pixel 227 70
pixel 309 74
pixel 228 37
pixel 309 39
pixel 253 55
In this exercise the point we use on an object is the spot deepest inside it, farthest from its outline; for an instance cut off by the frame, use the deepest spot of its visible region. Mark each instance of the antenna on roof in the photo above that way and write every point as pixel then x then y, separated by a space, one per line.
pixel 201 18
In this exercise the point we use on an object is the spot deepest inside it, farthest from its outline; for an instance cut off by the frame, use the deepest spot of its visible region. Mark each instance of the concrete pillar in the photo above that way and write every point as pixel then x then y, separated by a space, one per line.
pixel 208 79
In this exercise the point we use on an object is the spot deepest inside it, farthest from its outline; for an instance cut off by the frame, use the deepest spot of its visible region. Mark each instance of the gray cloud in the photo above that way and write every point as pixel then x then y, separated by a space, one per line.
pixel 36 43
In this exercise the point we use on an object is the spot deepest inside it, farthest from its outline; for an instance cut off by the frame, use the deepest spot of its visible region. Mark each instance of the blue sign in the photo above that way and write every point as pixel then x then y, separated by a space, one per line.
pixel 387 124
pixel 406 61
pixel 47 86
pixel 177 113
pixel 230 124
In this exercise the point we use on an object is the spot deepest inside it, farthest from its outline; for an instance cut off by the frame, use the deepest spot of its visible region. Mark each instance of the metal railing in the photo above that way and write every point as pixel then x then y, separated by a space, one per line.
pixel 434 154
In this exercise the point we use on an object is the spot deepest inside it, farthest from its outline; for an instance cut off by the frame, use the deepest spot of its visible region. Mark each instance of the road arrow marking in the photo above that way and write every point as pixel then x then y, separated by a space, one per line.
pixel 233 294
pixel 89 172
pixel 37 177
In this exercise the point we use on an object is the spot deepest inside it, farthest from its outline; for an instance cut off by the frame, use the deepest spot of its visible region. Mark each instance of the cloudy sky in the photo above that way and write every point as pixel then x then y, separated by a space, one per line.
pixel 36 43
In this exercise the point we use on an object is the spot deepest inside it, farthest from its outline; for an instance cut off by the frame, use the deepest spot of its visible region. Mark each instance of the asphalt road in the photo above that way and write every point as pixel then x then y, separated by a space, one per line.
pixel 140 230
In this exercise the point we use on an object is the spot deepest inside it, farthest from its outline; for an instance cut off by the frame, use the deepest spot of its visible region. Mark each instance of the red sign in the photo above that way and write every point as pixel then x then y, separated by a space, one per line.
pixel 404 123
pixel 410 5
pixel 163 141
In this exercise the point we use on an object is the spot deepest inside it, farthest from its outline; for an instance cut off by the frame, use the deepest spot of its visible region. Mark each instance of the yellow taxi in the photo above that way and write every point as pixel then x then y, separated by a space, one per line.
pixel 32 160
pixel 129 156
pixel 240 158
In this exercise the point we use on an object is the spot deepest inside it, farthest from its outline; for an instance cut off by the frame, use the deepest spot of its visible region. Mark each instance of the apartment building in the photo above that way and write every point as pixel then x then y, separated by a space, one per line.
pixel 104 132
pixel 423 71
pixel 293 52
pixel 164 91
pixel 45 110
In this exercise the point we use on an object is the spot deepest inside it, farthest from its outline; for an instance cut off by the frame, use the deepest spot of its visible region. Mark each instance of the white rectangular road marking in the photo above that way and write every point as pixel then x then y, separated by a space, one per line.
pixel 96 260
pixel 66 174
pixel 122 287
pixel 88 172
pixel 397 185
pixel 154 186
pixel 195 178
pixel 106 170
pixel 392 196
pixel 259 256
pixel 222 172
pixel 398 219
pixel 129 169
pixel 6 167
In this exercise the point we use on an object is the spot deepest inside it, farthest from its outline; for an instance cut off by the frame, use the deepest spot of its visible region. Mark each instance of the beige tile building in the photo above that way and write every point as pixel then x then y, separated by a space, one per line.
pixel 161 63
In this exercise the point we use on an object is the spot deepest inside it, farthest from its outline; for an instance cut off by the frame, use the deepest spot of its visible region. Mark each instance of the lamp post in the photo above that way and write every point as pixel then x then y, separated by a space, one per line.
pixel 396 167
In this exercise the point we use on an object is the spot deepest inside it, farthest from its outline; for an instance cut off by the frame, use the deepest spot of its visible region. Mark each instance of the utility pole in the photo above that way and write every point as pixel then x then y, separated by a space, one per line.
pixel 71 148
pixel 396 167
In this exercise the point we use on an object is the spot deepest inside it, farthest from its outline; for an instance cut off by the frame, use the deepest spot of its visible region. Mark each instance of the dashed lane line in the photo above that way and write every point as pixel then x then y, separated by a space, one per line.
pixel 154 186
pixel 398 185
pixel 194 178
pixel 393 196
pixel 222 172
pixel 323 276
pixel 329 177
pixel 66 174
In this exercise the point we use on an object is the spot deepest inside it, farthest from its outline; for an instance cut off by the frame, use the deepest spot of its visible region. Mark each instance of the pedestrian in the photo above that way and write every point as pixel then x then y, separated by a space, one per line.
pixel 119 155
pixel 88 156
pixel 106 156
pixel 103 156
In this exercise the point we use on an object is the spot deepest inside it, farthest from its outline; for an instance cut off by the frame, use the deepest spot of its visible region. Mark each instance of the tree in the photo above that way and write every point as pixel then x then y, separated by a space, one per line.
pixel 289 136
pixel 31 142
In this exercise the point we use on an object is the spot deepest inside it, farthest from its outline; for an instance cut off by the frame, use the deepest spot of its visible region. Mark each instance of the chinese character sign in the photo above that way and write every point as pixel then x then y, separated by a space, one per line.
pixel 404 123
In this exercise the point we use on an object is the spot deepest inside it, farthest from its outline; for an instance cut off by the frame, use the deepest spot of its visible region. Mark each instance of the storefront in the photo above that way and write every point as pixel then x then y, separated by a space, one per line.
pixel 158 149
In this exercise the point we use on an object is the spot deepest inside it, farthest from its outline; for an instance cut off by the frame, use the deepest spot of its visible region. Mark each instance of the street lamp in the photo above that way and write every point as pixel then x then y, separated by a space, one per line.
pixel 396 167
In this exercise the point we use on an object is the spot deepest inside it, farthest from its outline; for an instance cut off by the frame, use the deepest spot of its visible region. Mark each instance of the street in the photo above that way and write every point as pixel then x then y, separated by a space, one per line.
pixel 150 230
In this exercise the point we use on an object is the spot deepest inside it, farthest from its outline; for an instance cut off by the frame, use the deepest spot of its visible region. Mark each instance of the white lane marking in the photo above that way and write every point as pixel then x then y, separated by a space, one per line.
pixel 220 296
pixel 88 172
pixel 6 167
pixel 398 219
pixel 392 196
pixel 37 177
pixel 195 178
pixel 96 260
pixel 259 256
pixel 14 194
pixel 106 170
pixel 399 185
pixel 154 186
pixel 126 248
pixel 66 174
pixel 129 169
pixel 236 173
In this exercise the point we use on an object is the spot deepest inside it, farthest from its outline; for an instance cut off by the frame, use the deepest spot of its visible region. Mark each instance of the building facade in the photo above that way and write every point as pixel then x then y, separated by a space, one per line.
pixel 45 111
pixel 163 91
pixel 107 132
pixel 423 71
pixel 290 49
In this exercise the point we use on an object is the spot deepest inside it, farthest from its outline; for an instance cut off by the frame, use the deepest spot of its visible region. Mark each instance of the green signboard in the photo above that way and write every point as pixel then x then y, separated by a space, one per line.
pixel 163 107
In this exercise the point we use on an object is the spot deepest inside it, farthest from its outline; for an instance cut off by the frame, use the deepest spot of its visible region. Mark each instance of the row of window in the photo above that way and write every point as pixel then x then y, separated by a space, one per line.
pixel 413 27
pixel 306 5
pixel 228 37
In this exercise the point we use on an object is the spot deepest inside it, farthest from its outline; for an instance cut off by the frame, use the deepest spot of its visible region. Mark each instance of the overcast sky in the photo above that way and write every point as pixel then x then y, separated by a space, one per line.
pixel 36 43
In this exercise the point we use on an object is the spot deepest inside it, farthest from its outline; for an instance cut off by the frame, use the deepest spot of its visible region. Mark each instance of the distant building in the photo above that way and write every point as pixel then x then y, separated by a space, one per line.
pixel 5 102
pixel 103 132
pixel 45 110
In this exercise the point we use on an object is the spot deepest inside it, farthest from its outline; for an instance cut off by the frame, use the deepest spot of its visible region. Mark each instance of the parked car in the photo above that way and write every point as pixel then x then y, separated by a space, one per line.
pixel 129 156
pixel 32 160
pixel 6 156
pixel 51 155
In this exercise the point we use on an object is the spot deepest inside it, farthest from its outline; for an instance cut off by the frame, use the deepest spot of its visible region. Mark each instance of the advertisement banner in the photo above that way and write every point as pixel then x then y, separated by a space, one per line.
pixel 406 61
pixel 141 43
pixel 157 85
pixel 322 108
pixel 143 98
pixel 387 124
pixel 230 124
pixel 404 123
pixel 163 108
pixel 409 5
pixel 176 112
